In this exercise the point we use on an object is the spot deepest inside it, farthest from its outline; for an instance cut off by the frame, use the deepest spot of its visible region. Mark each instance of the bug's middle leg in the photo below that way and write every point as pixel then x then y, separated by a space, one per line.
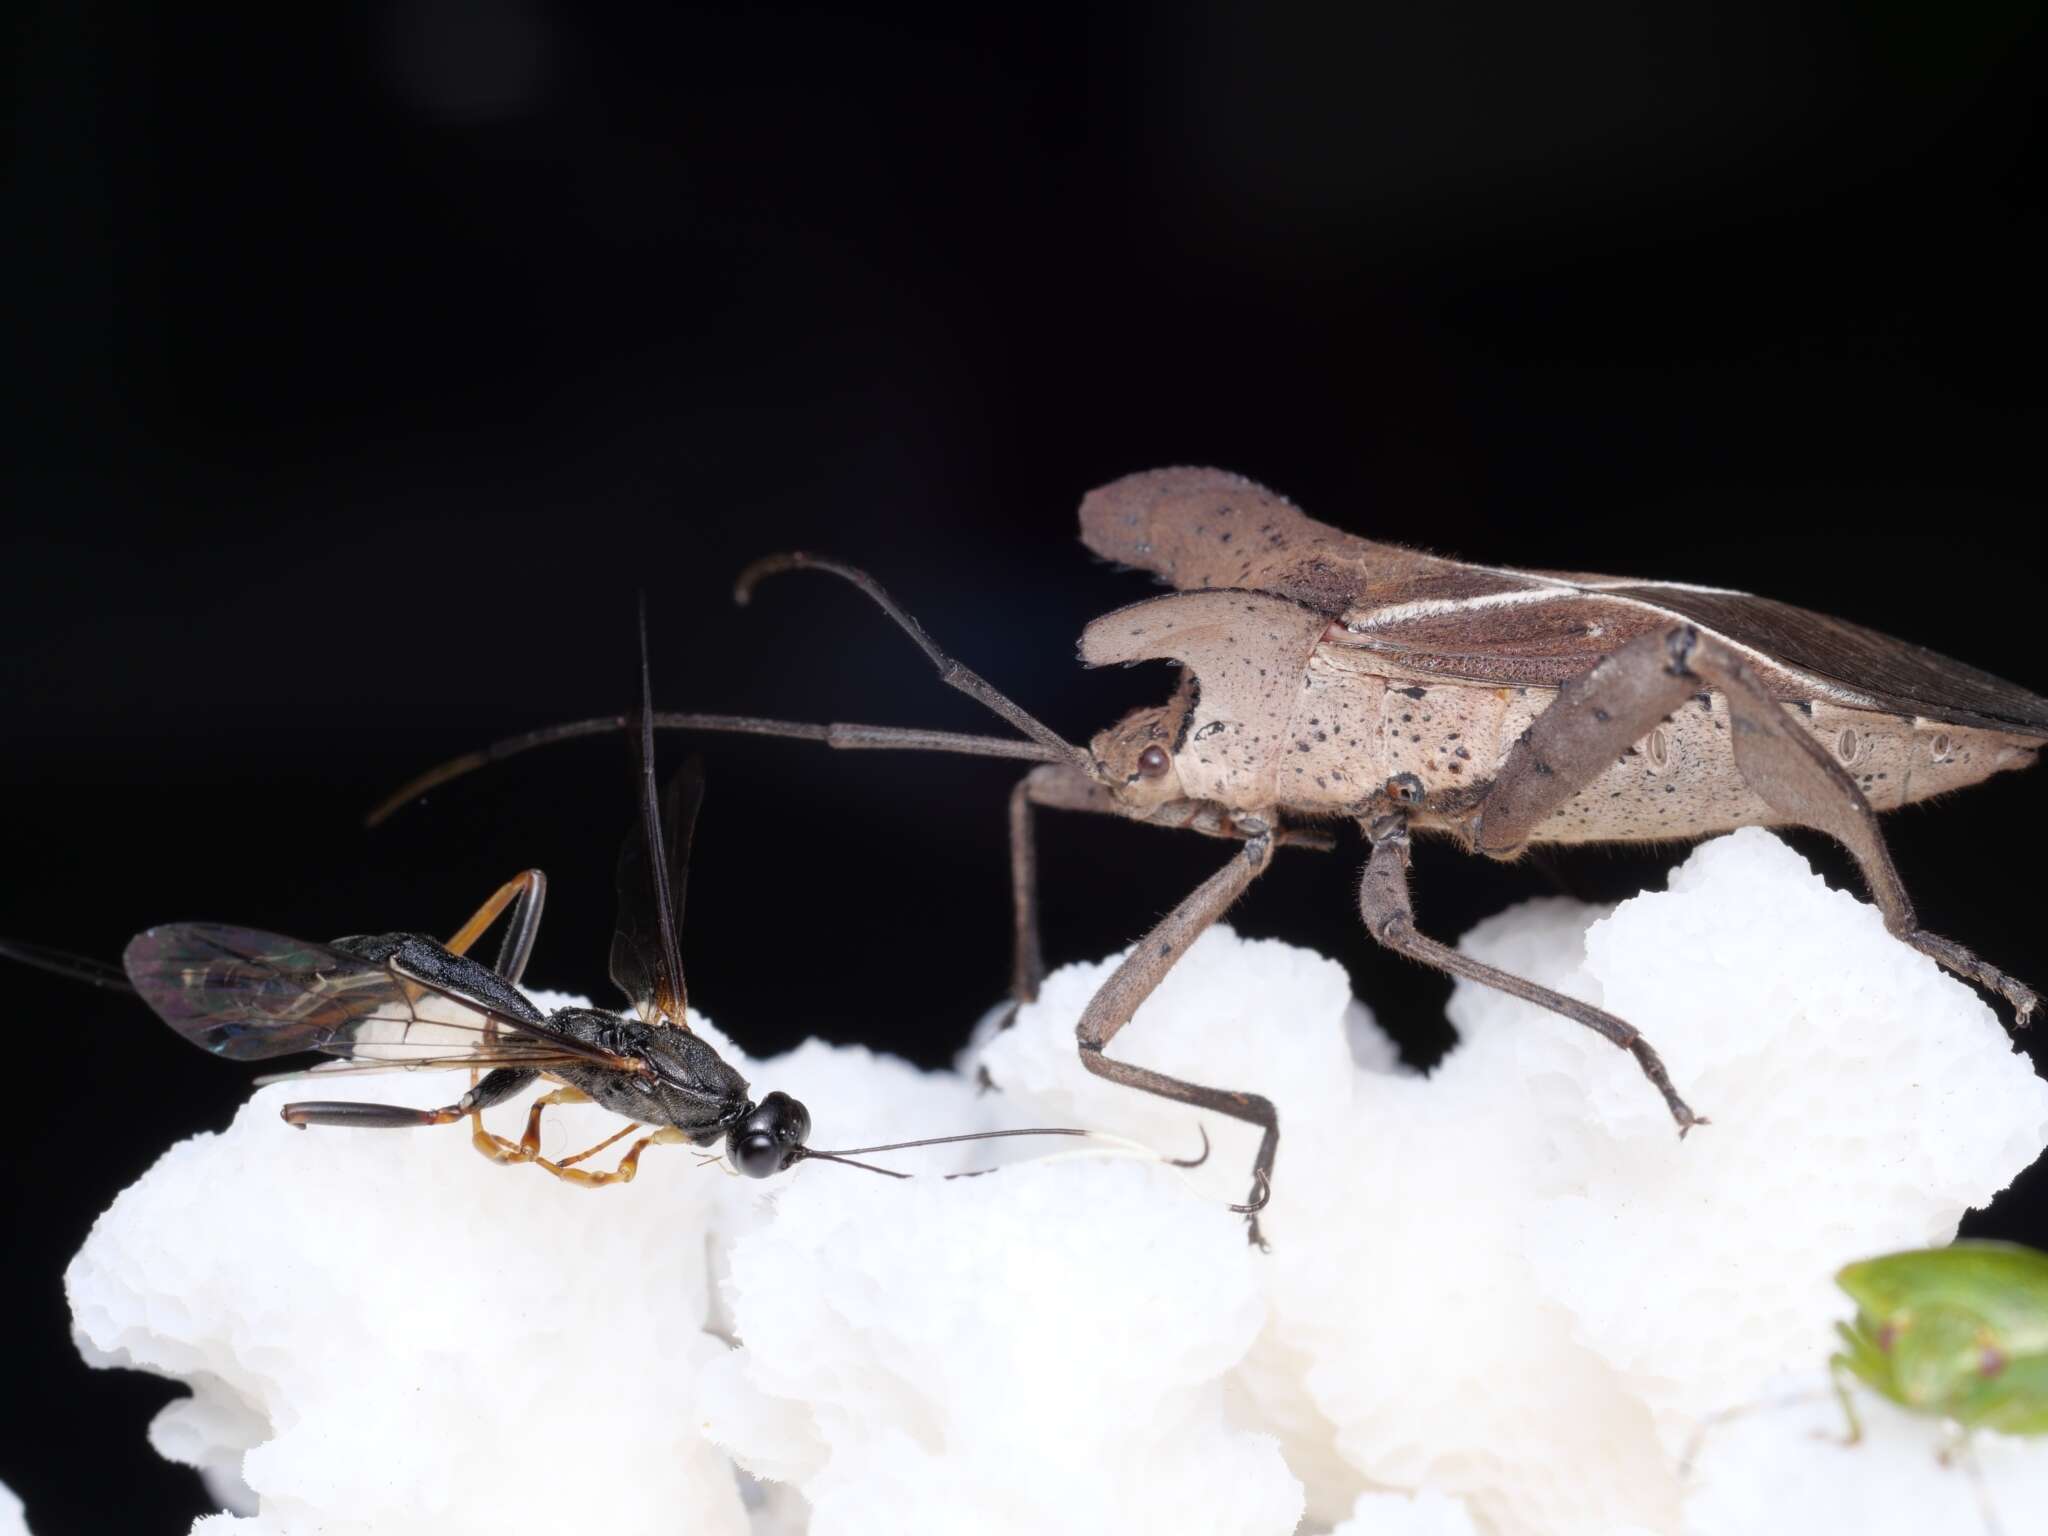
pixel 1113 1004
pixel 1063 787
pixel 1390 919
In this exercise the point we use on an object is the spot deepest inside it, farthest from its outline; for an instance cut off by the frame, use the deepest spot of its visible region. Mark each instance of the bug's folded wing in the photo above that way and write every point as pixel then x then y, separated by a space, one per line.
pixel 1892 674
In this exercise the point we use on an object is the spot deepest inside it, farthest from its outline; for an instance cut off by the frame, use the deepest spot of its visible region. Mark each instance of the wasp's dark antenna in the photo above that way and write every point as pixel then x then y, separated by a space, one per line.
pixel 833 1157
pixel 940 1141
pixel 846 1155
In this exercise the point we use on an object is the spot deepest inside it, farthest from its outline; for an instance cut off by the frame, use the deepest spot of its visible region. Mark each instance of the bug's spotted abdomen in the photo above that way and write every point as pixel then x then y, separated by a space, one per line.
pixel 1357 724
pixel 1682 779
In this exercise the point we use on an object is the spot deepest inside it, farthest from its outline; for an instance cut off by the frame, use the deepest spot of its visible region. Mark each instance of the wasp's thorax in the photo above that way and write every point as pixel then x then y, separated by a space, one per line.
pixel 680 1079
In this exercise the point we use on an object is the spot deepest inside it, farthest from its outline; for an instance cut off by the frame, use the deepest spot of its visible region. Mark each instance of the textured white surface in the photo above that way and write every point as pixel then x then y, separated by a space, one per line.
pixel 12 1520
pixel 1500 1299
pixel 1402 1514
pixel 1783 1468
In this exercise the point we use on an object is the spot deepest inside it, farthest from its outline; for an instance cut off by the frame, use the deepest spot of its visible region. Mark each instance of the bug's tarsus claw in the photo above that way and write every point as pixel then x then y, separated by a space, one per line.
pixel 1262 1191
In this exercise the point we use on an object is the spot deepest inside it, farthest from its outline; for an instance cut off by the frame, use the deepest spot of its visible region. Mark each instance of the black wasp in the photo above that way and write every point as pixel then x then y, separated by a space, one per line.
pixel 404 1002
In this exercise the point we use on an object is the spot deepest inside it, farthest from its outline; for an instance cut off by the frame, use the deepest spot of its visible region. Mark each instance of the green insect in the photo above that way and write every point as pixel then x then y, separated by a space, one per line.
pixel 1958 1332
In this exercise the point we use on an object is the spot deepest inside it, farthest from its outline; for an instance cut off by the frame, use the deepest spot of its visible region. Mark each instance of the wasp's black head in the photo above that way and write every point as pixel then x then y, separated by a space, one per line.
pixel 769 1137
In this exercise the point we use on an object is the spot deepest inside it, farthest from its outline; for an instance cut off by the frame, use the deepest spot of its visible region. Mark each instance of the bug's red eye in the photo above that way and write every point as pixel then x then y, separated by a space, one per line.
pixel 1152 762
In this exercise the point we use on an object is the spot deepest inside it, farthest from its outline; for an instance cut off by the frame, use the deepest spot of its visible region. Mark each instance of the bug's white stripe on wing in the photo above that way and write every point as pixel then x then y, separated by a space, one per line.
pixel 1436 607
pixel 1543 589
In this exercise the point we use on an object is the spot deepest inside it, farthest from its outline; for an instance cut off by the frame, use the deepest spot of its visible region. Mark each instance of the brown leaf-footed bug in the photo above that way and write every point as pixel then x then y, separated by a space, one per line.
pixel 1326 676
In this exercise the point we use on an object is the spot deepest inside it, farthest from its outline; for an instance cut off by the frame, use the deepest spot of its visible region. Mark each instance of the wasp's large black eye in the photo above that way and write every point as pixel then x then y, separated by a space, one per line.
pixel 756 1155
pixel 1153 762
pixel 763 1143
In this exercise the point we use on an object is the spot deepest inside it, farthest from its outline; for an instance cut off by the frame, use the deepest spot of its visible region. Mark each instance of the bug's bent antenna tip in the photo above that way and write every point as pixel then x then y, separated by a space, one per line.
pixel 416 788
pixel 497 751
pixel 768 565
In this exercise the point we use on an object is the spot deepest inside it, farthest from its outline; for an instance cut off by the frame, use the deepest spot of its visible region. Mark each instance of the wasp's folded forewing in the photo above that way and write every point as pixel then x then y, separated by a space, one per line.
pixel 250 995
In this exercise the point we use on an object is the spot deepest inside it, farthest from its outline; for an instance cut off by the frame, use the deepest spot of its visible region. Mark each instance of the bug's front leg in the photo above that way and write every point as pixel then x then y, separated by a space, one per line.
pixel 1389 918
pixel 1056 786
pixel 1063 787
pixel 1110 1009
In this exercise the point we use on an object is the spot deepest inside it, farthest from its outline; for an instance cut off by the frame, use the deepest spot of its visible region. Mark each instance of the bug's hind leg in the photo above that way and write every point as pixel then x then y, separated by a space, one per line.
pixel 1600 714
pixel 1136 979
pixel 1390 919
pixel 1796 777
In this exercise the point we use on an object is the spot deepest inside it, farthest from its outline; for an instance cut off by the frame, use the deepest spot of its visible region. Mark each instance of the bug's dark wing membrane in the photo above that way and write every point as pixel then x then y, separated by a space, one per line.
pixel 1897 675
pixel 249 995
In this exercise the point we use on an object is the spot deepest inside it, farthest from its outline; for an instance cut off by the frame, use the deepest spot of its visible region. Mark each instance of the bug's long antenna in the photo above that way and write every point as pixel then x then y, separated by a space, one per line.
pixel 841 736
pixel 1044 746
pixel 952 673
pixel 94 973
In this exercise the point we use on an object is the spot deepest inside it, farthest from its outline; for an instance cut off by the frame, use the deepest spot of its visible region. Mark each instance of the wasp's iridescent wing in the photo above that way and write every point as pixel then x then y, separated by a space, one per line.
pixel 647 958
pixel 249 995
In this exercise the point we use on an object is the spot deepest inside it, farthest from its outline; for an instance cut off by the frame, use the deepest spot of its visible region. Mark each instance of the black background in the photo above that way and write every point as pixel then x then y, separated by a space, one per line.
pixel 362 369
